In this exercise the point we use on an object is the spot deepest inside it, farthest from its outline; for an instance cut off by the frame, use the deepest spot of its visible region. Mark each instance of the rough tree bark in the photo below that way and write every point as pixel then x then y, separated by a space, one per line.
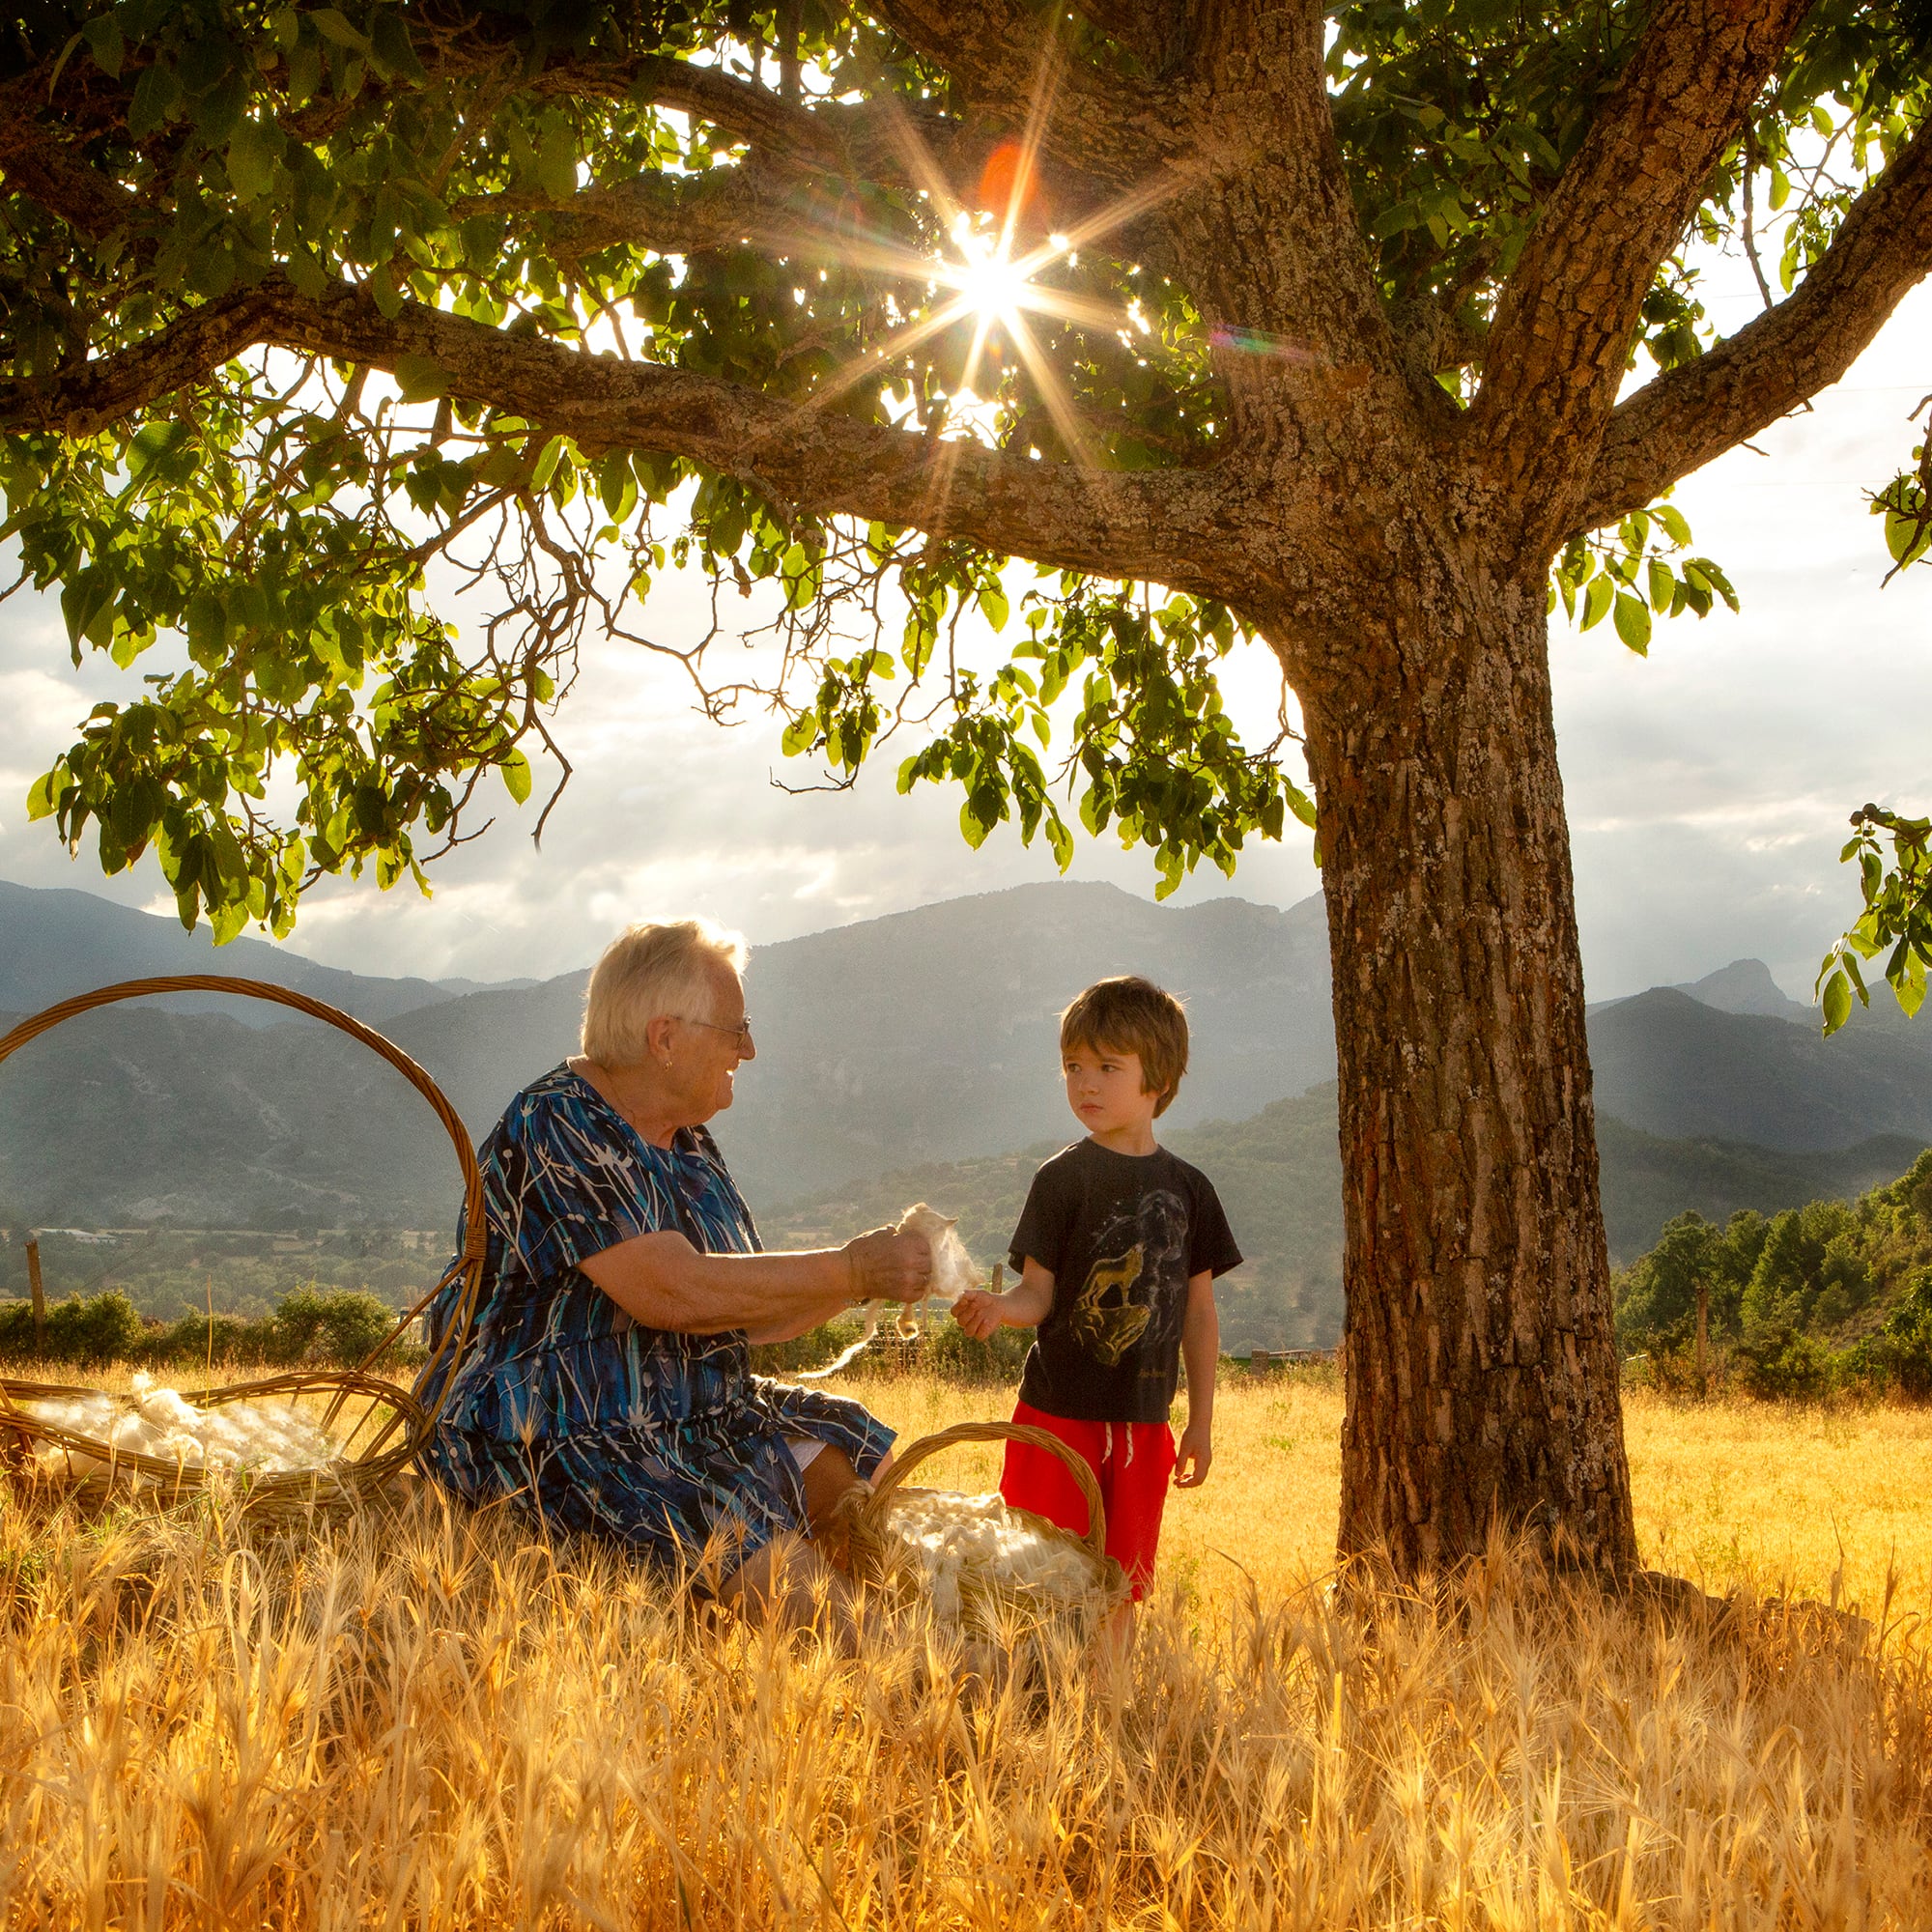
pixel 1481 1372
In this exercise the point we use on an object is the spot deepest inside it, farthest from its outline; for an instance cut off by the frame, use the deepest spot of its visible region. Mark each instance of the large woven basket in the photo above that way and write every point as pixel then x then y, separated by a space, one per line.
pixel 377 1425
pixel 878 1557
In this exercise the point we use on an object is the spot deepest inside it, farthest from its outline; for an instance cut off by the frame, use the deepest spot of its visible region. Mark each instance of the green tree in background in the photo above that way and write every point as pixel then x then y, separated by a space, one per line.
pixel 1249 326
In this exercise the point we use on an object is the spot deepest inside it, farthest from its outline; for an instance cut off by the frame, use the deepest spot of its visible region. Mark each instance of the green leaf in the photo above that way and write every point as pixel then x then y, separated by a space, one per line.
pixel 87 603
pixel 1673 521
pixel 1909 989
pixel 420 377
pixel 516 770
pixel 43 795
pixel 1838 1001
pixel 1597 600
pixel 253 151
pixel 102 35
pixel 390 44
pixel 1633 622
pixel 556 157
pixel 228 922
pixel 334 25
pixel 156 97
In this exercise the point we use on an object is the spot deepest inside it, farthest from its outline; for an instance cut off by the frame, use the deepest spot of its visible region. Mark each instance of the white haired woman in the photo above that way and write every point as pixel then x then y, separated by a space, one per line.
pixel 606 1384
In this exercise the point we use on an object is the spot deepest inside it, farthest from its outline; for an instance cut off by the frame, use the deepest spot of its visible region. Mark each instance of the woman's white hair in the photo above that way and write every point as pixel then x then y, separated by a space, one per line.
pixel 650 972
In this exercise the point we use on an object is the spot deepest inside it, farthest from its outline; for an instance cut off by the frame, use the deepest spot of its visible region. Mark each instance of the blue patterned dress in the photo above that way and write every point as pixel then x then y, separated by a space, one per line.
pixel 567 1406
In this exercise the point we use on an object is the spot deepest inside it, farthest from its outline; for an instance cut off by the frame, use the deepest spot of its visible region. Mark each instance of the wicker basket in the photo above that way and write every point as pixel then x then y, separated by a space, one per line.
pixel 880 1558
pixel 378 1426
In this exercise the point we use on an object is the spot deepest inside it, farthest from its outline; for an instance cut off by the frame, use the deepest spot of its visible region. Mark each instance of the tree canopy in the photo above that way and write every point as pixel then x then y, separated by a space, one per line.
pixel 311 314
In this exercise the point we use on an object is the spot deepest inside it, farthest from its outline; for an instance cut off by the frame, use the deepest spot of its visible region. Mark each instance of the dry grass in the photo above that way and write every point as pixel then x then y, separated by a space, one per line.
pixel 424 1720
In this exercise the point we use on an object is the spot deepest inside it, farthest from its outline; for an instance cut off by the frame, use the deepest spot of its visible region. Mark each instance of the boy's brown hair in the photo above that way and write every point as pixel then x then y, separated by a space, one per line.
pixel 1132 1015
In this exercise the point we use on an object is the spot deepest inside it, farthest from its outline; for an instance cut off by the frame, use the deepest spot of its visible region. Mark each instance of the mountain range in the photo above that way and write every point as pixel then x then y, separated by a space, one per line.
pixel 921 1042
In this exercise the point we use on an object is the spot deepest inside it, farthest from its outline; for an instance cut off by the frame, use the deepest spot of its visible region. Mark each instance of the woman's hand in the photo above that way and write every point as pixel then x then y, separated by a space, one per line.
pixel 888 1268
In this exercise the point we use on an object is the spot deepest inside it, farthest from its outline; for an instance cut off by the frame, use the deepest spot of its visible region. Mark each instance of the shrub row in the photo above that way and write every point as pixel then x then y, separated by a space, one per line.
pixel 309 1329
pixel 1777 1361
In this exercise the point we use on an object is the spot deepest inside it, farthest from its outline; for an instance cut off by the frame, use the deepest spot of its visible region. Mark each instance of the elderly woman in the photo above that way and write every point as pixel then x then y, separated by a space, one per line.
pixel 606 1383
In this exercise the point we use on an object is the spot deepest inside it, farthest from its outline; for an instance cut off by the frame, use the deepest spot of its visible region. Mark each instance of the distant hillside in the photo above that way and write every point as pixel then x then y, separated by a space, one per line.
pixel 131 1114
pixel 930 1035
pixel 56 943
pixel 1746 987
pixel 1675 1067
pixel 1647 1179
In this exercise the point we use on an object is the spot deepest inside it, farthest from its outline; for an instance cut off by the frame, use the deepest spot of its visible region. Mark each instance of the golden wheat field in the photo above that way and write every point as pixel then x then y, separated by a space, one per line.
pixel 428 1719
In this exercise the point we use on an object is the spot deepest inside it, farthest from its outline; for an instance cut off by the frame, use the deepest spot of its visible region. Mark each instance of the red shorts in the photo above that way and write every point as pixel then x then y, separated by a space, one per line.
pixel 1132 1462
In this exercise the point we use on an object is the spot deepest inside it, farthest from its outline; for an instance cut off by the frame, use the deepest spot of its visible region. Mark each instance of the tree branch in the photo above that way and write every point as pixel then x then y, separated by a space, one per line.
pixel 1683 418
pixel 1154 31
pixel 1174 527
pixel 1560 342
pixel 891 143
pixel 1273 241
pixel 1104 125
pixel 671 214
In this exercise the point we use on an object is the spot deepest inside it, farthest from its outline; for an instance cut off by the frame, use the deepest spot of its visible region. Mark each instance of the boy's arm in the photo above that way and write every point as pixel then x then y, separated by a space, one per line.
pixel 1024 1305
pixel 1201 1351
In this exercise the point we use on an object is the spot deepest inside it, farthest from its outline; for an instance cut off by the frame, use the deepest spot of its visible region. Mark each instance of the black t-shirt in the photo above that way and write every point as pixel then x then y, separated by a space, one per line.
pixel 1122 1235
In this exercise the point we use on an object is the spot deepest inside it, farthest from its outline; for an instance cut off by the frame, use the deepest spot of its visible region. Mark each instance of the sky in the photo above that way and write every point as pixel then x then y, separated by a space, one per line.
pixel 1708 783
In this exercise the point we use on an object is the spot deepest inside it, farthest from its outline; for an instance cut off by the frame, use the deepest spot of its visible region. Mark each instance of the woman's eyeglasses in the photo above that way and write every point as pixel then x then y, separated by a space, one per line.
pixel 741 1033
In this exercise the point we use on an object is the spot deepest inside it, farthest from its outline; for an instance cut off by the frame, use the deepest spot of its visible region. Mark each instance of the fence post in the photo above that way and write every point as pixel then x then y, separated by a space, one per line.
pixel 39 1294
pixel 1703 1336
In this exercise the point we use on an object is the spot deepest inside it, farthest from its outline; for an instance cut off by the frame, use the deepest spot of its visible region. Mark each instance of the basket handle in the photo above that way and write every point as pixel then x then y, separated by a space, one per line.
pixel 476 1243
pixel 879 1502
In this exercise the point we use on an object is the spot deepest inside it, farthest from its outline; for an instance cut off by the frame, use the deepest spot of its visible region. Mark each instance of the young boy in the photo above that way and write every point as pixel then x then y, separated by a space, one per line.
pixel 1117 1253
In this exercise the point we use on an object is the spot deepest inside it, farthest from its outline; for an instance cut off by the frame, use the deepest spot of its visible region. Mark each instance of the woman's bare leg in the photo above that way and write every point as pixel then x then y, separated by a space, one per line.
pixel 798 1581
pixel 789 1583
pixel 828 1478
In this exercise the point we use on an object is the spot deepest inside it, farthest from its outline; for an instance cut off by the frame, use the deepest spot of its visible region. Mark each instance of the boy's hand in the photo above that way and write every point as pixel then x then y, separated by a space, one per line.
pixel 981 1313
pixel 1193 1460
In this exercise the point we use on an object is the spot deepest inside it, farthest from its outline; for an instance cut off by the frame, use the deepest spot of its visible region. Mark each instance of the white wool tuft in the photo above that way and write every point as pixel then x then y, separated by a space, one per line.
pixel 953 1270
pixel 953 1274
pixel 270 1437
pixel 952 1541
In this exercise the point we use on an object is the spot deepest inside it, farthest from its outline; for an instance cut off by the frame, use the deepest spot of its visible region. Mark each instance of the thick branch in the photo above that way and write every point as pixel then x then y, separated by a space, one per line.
pixel 1685 419
pixel 1154 31
pixel 1269 239
pixel 671 214
pixel 886 141
pixel 1105 125
pixel 1561 340
pixel 1169 525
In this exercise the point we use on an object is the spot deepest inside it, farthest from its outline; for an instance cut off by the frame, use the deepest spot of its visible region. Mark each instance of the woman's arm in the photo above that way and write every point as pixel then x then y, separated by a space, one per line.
pixel 1201 1354
pixel 1024 1305
pixel 663 1282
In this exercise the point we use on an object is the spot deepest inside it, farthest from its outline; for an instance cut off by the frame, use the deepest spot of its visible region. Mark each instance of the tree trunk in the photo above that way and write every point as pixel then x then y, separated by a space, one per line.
pixel 1481 1371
